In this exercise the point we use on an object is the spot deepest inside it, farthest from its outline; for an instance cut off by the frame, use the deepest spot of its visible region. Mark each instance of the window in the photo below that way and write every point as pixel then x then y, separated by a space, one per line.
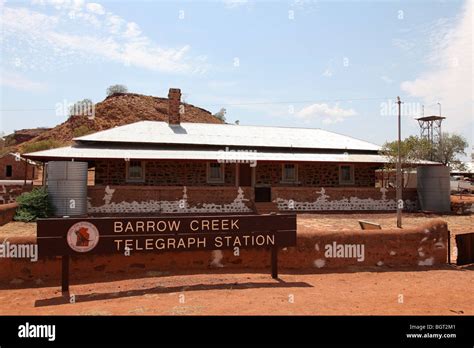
pixel 346 174
pixel 215 173
pixel 135 171
pixel 9 171
pixel 289 173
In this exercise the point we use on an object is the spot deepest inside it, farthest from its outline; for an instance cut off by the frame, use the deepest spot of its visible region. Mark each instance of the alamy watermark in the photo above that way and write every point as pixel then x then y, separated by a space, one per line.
pixel 84 108
pixel 335 250
pixel 228 155
pixel 390 108
pixel 21 251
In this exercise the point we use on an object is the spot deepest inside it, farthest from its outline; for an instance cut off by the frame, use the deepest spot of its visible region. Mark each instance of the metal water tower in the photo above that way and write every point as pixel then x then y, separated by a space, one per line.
pixel 430 128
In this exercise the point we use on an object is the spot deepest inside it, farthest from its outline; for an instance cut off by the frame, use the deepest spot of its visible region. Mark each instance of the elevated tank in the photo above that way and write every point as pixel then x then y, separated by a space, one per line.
pixel 67 187
pixel 434 188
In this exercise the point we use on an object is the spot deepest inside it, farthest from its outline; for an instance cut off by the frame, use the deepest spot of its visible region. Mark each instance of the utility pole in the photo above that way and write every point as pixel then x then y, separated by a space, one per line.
pixel 399 167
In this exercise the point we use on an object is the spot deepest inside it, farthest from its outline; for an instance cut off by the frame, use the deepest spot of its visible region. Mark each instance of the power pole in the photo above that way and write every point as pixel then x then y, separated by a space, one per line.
pixel 399 167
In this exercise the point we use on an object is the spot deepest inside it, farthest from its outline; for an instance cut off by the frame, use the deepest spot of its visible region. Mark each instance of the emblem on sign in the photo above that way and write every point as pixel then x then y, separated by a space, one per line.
pixel 82 237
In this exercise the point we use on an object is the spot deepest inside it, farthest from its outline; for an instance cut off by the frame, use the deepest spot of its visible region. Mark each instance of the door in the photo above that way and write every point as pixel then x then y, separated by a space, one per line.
pixel 263 194
pixel 245 174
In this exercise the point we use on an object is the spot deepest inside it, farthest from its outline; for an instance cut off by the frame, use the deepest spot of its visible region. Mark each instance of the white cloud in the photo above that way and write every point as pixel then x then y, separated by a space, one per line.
pixel 327 72
pixel 17 81
pixel 95 8
pixel 403 44
pixel 133 30
pixel 234 3
pixel 386 79
pixel 449 75
pixel 325 112
pixel 81 32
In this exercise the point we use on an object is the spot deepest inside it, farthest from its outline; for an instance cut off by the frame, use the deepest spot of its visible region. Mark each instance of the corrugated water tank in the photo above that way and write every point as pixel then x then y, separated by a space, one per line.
pixel 434 188
pixel 67 187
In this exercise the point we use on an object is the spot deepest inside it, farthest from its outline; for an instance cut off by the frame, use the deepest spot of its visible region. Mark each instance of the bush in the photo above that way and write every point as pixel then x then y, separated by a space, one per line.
pixel 116 89
pixel 82 130
pixel 33 205
pixel 41 145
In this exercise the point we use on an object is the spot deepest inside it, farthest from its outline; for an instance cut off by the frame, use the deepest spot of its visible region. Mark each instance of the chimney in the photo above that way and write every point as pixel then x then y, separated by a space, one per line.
pixel 174 102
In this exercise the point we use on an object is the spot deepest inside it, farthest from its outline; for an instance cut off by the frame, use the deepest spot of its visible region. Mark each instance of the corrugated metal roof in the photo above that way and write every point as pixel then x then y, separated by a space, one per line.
pixel 228 135
pixel 122 152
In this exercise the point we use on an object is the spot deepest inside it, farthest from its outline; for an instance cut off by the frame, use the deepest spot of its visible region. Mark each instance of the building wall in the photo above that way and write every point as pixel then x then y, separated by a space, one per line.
pixel 161 173
pixel 18 168
pixel 174 173
pixel 163 191
pixel 316 174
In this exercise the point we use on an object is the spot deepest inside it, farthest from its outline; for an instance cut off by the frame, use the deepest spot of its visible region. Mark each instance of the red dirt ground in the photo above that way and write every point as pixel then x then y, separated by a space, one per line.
pixel 445 291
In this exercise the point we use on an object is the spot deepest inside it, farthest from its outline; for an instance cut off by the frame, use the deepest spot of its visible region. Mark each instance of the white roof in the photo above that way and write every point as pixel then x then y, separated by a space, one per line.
pixel 100 152
pixel 228 135
pixel 19 157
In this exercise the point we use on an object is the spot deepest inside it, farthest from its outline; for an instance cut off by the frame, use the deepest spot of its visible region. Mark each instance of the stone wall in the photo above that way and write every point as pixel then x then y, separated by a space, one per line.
pixel 421 248
pixel 340 199
pixel 193 173
pixel 161 173
pixel 9 193
pixel 7 212
pixel 193 199
pixel 316 174
pixel 169 199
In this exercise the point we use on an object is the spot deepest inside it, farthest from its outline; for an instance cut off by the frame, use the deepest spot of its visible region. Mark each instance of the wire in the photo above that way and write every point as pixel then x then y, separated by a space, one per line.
pixel 301 101
pixel 254 103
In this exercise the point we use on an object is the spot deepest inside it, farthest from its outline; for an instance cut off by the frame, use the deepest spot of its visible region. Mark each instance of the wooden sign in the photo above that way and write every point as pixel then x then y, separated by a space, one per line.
pixel 125 236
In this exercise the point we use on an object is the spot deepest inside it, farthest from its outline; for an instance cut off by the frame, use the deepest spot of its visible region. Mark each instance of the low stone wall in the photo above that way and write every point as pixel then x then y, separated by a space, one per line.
pixel 9 193
pixel 191 199
pixel 173 199
pixel 421 247
pixel 7 212
pixel 341 199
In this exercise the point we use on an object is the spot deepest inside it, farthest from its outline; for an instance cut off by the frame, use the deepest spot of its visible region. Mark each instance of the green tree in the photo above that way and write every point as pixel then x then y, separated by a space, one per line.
pixel 412 149
pixel 449 148
pixel 415 149
pixel 116 89
pixel 221 114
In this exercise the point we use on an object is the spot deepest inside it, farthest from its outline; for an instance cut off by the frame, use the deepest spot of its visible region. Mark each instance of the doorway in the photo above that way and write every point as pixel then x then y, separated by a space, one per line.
pixel 245 174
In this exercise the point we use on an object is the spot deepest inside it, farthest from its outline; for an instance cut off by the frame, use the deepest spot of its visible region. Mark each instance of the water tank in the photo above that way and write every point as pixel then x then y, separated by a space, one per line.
pixel 433 188
pixel 67 187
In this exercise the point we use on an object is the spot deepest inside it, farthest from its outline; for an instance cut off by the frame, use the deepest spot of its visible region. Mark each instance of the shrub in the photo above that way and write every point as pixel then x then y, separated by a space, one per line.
pixel 32 205
pixel 116 89
pixel 41 145
pixel 82 130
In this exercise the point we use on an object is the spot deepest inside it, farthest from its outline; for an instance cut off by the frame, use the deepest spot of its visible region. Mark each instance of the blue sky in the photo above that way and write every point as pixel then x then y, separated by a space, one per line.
pixel 332 65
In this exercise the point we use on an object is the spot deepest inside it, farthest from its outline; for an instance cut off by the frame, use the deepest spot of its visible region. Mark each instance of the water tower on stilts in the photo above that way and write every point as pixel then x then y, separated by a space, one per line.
pixel 430 128
pixel 433 181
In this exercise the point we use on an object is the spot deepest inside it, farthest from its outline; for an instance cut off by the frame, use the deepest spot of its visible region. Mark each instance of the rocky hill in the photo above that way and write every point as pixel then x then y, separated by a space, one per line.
pixel 115 110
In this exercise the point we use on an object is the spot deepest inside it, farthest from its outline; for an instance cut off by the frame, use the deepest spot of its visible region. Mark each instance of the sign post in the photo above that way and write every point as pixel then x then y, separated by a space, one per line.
pixel 84 236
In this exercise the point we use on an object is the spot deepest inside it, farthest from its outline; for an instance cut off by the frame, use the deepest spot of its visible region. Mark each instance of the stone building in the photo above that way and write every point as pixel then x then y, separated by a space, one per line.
pixel 176 167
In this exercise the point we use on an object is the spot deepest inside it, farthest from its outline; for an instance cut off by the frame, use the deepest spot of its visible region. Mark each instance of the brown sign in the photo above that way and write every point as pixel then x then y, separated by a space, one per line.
pixel 74 236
